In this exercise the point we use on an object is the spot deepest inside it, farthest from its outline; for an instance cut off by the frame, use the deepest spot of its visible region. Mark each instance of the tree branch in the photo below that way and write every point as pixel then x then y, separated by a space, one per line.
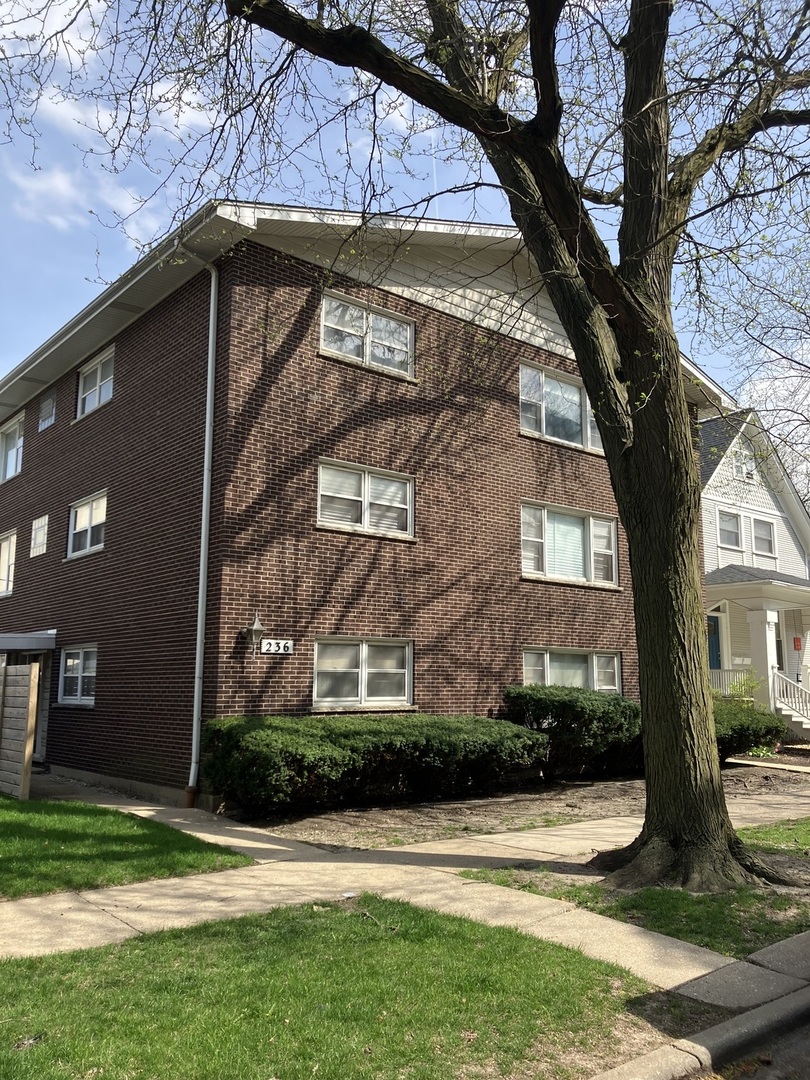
pixel 354 47
pixel 543 18
pixel 754 118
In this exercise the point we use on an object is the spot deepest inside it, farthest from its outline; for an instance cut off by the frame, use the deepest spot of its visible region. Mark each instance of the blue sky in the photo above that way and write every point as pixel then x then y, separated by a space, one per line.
pixel 61 248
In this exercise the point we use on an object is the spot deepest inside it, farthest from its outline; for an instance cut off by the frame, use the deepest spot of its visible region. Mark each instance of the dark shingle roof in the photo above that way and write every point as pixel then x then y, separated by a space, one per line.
pixel 739 575
pixel 716 436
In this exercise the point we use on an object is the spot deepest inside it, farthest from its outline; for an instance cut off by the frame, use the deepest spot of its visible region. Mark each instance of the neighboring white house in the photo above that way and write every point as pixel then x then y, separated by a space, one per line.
pixel 756 542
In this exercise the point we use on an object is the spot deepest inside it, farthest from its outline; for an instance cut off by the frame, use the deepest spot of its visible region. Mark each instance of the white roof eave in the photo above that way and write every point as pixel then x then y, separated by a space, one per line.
pixel 214 230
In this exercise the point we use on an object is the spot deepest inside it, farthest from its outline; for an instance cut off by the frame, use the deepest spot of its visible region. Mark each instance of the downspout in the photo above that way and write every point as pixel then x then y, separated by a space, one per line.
pixel 205 520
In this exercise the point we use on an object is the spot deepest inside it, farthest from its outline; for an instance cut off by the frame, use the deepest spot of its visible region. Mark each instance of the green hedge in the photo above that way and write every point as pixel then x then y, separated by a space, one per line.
pixel 600 734
pixel 587 731
pixel 742 726
pixel 267 763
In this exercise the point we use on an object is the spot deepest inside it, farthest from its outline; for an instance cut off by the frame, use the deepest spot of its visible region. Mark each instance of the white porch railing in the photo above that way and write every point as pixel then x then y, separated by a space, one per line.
pixel 730 682
pixel 791 694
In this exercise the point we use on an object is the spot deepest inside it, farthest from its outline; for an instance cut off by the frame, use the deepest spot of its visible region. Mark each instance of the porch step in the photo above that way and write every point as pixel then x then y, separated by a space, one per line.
pixel 799 725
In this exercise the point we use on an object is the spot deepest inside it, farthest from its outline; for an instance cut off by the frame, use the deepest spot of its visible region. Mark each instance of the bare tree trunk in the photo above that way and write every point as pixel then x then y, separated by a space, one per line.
pixel 687 837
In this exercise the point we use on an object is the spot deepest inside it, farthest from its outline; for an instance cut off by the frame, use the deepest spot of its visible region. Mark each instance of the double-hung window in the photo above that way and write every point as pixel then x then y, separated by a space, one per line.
pixel 367 335
pixel 729 531
pixel 556 407
pixel 96 383
pixel 8 549
pixel 763 539
pixel 77 676
pixel 11 448
pixel 364 500
pixel 87 521
pixel 354 672
pixel 566 544
pixel 589 670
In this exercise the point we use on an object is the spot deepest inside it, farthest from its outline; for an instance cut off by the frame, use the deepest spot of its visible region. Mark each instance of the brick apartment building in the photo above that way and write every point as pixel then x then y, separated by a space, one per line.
pixel 371 441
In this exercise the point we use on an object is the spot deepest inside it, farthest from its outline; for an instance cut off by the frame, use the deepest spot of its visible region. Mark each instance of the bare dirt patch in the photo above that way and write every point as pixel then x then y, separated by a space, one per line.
pixel 544 805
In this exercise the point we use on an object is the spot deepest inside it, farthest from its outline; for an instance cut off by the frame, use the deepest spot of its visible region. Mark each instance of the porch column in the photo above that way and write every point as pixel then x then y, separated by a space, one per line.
pixel 762 630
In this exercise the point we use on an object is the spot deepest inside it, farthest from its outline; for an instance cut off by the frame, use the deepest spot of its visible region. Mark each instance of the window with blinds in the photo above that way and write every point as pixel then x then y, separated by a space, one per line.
pixel 588 670
pixel 364 500
pixel 566 544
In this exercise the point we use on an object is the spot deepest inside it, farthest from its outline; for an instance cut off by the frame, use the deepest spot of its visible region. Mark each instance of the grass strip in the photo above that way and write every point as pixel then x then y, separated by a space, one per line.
pixel 63 846
pixel 735 923
pixel 363 989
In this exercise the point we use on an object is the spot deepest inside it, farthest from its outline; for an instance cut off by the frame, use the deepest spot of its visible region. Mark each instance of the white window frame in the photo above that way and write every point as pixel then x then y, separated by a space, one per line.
pixel 93 397
pixel 92 523
pixel 593 666
pixel 772 554
pixel 11 445
pixel 369 311
pixel 8 556
pixel 366 475
pixel 47 415
pixel 363 701
pixel 39 536
pixel 79 698
pixel 743 464
pixel 589 544
pixel 591 439
pixel 720 542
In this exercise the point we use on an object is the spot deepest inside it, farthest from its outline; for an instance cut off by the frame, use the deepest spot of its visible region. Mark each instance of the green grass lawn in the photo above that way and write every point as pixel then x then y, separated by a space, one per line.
pixel 365 989
pixel 55 846
pixel 735 923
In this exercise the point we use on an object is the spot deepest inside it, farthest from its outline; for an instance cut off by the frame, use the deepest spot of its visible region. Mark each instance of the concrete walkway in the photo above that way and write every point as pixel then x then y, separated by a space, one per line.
pixel 774 982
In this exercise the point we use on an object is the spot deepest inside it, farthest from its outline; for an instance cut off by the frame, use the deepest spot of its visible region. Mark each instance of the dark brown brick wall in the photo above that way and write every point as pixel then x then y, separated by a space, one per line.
pixel 136 598
pixel 456 591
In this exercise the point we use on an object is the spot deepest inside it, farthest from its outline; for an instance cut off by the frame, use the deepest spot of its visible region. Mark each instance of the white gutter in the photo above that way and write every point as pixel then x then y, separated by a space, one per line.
pixel 205 520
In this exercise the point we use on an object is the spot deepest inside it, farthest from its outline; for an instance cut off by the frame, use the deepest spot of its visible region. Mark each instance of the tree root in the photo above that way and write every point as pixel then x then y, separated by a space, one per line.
pixel 704 867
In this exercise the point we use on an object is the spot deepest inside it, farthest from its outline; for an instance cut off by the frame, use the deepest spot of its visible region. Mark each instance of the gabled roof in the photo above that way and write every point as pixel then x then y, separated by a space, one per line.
pixel 716 436
pixel 479 272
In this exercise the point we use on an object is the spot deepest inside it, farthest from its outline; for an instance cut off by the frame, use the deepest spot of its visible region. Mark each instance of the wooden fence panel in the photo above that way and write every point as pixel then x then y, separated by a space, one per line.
pixel 18 721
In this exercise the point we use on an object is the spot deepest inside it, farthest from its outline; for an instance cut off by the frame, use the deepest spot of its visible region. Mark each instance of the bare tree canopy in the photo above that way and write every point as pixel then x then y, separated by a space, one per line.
pixel 633 141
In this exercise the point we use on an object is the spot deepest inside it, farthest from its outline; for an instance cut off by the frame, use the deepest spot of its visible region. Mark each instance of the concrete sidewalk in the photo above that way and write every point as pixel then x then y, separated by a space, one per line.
pixel 774 982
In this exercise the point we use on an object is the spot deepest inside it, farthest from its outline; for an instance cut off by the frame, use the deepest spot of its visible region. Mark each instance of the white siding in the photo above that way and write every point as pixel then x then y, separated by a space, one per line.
pixel 751 499
pixel 492 288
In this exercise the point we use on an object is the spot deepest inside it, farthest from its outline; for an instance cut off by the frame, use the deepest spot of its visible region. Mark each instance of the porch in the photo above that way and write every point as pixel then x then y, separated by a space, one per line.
pixel 758 624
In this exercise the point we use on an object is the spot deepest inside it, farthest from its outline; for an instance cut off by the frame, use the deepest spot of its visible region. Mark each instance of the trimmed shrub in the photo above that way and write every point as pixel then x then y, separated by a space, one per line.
pixel 587 731
pixel 268 763
pixel 743 725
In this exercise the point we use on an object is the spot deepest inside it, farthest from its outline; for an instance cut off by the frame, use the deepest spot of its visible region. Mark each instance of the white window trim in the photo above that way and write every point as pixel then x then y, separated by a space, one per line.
pixel 764 554
pixel 96 362
pixel 7 586
pixel 42 523
pixel 362 703
pixel 72 526
pixel 590 580
pixel 62 698
pixel 592 665
pixel 369 310
pixel 17 423
pixel 585 407
pixel 730 513
pixel 366 473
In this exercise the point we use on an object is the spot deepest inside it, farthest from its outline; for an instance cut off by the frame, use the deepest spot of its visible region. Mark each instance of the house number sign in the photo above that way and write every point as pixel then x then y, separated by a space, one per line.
pixel 277 646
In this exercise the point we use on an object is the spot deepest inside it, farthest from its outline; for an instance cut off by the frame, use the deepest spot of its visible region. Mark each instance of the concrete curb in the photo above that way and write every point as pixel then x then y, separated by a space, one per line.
pixel 717 1045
